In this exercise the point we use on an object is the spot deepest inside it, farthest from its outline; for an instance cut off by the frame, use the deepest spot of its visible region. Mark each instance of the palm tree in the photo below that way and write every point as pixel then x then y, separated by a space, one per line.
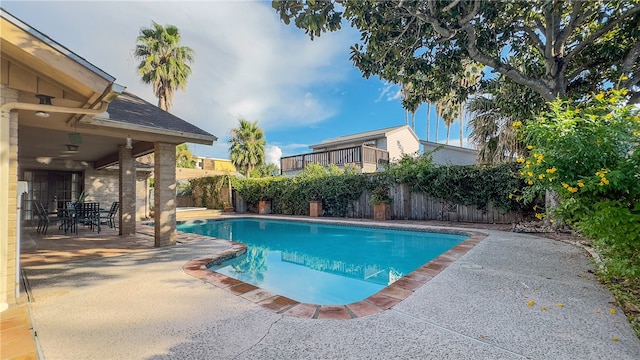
pixel 471 78
pixel 410 103
pixel 428 118
pixel 438 115
pixel 184 157
pixel 449 108
pixel 164 63
pixel 247 146
pixel 492 116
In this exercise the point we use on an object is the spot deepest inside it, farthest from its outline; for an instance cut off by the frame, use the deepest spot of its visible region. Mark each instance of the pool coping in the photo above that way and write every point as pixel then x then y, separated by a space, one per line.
pixel 383 300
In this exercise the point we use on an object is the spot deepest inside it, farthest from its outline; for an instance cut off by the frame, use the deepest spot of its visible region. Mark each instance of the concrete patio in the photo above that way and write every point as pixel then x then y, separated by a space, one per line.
pixel 512 296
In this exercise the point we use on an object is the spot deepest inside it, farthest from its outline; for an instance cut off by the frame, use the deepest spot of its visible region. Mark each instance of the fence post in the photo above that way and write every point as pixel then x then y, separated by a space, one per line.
pixel 406 200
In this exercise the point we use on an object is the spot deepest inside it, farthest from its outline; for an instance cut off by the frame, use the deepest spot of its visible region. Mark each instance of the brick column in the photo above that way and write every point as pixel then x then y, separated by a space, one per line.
pixel 126 196
pixel 8 193
pixel 164 193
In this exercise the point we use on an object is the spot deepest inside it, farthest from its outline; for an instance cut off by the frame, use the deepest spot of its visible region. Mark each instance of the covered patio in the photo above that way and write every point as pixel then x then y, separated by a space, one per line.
pixel 68 131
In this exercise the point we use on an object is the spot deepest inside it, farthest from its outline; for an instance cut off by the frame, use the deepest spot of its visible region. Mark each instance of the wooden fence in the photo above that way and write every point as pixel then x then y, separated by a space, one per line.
pixel 417 206
pixel 185 201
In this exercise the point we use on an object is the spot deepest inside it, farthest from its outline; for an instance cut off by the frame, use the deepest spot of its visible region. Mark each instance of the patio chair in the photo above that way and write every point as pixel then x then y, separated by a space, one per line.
pixel 44 218
pixel 88 214
pixel 69 218
pixel 109 218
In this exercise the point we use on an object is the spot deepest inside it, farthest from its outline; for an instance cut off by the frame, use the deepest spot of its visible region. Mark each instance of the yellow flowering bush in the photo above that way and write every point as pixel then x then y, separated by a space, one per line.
pixel 588 153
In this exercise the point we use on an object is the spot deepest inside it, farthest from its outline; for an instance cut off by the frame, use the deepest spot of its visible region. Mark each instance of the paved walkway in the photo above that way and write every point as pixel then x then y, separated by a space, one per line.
pixel 512 296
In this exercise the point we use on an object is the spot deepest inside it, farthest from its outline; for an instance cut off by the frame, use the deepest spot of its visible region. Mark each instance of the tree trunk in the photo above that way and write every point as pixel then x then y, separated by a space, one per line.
pixel 551 201
pixel 428 119
pixel 448 131
pixel 461 124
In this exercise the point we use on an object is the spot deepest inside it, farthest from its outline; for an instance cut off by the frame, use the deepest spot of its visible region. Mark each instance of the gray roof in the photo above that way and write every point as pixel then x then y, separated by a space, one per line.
pixel 363 136
pixel 130 109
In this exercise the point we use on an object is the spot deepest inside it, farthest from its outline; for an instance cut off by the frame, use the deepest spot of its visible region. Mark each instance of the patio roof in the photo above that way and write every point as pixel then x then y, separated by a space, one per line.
pixel 130 112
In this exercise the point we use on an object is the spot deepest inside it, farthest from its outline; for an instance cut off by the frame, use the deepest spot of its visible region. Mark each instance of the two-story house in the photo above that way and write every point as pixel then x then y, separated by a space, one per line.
pixel 367 151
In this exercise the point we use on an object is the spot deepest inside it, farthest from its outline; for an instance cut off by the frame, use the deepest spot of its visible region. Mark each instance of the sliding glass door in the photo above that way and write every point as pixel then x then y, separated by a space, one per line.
pixel 52 188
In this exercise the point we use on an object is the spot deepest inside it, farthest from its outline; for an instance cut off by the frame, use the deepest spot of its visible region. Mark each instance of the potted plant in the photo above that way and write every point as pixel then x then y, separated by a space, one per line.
pixel 315 208
pixel 226 207
pixel 264 207
pixel 381 202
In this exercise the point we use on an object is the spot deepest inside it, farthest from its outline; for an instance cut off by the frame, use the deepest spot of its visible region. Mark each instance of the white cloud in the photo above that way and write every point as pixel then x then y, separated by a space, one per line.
pixel 273 154
pixel 390 92
pixel 247 63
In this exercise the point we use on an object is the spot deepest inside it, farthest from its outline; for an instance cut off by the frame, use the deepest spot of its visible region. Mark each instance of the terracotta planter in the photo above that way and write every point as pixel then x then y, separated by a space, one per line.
pixel 264 207
pixel 381 211
pixel 315 208
pixel 228 208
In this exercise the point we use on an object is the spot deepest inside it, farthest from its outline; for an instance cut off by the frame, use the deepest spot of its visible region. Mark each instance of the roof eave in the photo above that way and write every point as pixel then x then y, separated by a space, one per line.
pixel 180 136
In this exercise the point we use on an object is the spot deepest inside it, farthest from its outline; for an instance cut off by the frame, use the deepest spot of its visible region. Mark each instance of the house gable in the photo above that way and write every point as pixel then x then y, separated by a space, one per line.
pixel 376 138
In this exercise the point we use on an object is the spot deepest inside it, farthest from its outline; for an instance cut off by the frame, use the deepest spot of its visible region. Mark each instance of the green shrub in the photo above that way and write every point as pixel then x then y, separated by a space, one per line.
pixel 336 188
pixel 588 153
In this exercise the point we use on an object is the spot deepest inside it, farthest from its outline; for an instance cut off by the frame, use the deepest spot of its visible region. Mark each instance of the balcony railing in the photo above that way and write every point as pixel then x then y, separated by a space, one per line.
pixel 365 157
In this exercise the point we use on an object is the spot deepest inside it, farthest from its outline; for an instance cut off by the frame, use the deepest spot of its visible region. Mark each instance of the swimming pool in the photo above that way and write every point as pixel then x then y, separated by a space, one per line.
pixel 322 263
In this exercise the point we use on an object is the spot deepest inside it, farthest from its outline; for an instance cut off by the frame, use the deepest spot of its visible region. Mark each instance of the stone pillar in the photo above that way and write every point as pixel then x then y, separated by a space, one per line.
pixel 126 195
pixel 164 193
pixel 8 195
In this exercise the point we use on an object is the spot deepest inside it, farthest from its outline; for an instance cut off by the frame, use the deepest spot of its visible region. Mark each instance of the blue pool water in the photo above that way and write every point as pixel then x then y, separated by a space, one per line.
pixel 321 263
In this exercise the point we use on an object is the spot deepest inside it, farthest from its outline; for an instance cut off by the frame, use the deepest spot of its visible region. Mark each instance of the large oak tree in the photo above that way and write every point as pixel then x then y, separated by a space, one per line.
pixel 573 47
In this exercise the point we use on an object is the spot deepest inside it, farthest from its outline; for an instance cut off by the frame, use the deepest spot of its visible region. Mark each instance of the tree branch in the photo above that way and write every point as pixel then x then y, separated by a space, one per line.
pixel 404 31
pixel 505 69
pixel 632 58
pixel 574 22
pixel 467 18
pixel 451 5
pixel 580 69
pixel 533 36
pixel 429 19
pixel 596 34
pixel 540 26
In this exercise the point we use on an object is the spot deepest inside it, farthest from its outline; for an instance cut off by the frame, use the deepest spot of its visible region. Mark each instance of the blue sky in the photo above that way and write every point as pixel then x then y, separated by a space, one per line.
pixel 247 64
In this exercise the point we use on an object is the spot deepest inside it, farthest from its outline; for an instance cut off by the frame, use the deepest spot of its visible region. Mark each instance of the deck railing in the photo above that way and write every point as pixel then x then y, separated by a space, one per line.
pixel 361 156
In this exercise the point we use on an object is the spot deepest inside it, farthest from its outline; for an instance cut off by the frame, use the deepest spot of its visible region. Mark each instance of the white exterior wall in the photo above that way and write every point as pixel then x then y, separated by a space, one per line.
pixel 451 155
pixel 409 144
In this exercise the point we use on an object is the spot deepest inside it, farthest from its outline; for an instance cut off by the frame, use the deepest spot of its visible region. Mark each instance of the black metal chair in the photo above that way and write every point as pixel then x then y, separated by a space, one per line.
pixel 88 214
pixel 44 218
pixel 108 218
pixel 69 218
